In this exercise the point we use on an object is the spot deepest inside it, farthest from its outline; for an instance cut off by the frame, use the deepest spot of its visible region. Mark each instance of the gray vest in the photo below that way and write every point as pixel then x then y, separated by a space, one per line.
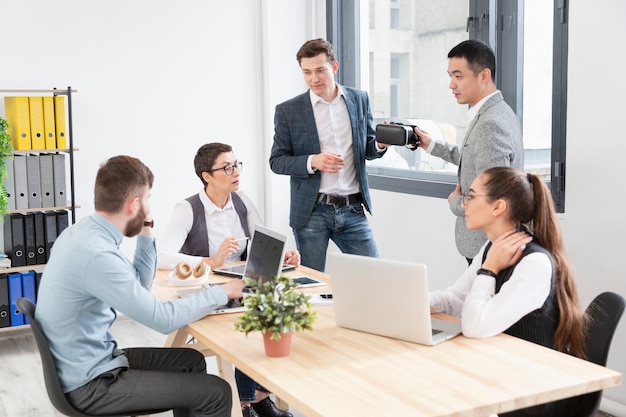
pixel 197 242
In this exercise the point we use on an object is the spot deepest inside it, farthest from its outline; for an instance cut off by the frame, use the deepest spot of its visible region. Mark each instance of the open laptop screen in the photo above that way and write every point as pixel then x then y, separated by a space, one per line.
pixel 267 251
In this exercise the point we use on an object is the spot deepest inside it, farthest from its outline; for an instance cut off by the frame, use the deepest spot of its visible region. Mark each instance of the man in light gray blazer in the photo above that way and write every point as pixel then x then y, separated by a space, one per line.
pixel 321 140
pixel 493 138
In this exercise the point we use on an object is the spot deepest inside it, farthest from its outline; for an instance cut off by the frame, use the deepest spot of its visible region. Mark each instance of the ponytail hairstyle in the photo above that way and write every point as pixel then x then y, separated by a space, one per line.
pixel 530 203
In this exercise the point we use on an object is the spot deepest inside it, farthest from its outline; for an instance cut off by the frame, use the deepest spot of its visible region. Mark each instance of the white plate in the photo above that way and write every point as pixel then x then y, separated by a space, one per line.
pixel 174 280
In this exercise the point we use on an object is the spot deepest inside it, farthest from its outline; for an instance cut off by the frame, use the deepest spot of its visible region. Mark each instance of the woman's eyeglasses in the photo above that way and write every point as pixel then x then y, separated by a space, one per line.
pixel 469 197
pixel 230 168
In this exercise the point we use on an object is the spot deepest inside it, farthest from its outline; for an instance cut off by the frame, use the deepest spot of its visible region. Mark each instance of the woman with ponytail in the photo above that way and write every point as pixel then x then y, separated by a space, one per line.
pixel 520 283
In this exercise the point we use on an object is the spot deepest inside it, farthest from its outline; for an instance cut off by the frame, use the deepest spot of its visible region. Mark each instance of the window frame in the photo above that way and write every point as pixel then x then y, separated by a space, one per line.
pixel 343 31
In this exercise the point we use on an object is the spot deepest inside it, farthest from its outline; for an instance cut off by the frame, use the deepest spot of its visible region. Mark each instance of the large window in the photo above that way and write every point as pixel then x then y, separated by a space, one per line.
pixel 407 42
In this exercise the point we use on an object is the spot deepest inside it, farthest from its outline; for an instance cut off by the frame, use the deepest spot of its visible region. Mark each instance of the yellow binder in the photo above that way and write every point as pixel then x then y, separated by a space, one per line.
pixel 48 122
pixel 18 118
pixel 37 138
pixel 59 121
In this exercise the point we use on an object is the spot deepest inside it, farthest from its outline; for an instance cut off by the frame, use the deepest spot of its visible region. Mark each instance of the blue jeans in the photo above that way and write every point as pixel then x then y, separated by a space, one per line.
pixel 347 226
pixel 247 387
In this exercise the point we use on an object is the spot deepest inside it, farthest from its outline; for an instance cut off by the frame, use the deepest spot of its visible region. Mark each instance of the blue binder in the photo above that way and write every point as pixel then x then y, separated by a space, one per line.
pixel 29 289
pixel 15 292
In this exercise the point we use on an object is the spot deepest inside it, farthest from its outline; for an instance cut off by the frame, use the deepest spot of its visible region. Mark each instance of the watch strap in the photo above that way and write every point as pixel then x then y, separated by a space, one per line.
pixel 484 271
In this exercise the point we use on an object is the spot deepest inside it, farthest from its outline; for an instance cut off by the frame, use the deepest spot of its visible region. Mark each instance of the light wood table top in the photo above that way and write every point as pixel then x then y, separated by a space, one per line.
pixel 333 371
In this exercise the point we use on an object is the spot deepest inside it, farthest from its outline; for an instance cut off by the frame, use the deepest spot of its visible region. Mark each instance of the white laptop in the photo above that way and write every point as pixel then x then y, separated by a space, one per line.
pixel 385 297
pixel 265 258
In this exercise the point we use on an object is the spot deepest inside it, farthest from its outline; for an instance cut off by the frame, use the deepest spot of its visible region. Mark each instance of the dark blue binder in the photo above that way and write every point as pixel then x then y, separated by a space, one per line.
pixel 15 292
pixel 29 289
pixel 5 308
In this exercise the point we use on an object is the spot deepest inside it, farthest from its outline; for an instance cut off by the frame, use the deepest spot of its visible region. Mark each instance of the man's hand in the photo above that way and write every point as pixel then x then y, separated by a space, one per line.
pixel 425 138
pixel 327 162
pixel 292 257
pixel 233 288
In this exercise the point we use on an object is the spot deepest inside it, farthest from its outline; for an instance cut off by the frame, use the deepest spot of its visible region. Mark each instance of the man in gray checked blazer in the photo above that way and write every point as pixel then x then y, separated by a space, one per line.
pixel 321 140
pixel 493 138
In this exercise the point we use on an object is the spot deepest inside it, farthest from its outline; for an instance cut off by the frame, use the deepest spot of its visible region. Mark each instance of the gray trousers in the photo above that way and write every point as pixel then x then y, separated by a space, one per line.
pixel 157 378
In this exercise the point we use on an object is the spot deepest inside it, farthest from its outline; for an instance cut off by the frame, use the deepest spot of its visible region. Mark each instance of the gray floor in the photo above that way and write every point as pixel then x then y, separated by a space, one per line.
pixel 22 390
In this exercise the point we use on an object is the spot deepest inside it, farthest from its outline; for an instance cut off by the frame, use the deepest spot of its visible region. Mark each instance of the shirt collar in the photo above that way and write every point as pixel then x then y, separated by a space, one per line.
pixel 315 98
pixel 210 207
pixel 473 111
pixel 116 233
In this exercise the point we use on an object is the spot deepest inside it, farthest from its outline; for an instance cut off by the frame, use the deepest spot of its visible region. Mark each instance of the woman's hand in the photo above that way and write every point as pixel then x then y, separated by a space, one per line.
pixel 229 246
pixel 506 250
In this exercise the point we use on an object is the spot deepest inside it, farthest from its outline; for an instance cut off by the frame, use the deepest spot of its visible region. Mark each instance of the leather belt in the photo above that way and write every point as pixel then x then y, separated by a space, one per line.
pixel 339 200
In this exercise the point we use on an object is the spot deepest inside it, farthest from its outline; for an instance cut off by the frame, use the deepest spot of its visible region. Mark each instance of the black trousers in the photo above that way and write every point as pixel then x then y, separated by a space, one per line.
pixel 157 378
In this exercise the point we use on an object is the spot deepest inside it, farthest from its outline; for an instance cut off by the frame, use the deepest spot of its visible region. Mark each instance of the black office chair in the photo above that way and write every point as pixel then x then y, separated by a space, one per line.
pixel 604 312
pixel 53 385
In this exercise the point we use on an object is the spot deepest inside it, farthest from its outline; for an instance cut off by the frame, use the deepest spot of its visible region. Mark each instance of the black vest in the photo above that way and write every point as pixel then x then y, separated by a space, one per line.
pixel 538 327
pixel 197 242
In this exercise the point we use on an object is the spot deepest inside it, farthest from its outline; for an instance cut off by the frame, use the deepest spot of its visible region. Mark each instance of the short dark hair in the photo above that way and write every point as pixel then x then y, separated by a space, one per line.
pixel 206 156
pixel 118 179
pixel 314 47
pixel 478 54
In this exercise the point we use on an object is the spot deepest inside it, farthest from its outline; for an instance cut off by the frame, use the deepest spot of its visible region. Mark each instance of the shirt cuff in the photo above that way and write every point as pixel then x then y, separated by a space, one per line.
pixel 309 168
pixel 431 146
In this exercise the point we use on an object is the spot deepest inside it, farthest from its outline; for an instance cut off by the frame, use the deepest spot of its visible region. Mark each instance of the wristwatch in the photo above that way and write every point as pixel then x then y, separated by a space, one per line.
pixel 149 223
pixel 483 271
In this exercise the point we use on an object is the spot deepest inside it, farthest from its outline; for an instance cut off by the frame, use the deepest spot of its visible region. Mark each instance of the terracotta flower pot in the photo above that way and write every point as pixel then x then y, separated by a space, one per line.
pixel 277 348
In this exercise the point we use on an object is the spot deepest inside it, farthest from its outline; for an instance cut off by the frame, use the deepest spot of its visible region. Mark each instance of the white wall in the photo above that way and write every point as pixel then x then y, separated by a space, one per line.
pixel 156 79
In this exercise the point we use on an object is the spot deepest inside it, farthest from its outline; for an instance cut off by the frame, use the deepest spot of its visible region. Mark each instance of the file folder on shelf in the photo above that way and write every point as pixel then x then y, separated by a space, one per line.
pixel 38 275
pixel 48 122
pixel 60 184
pixel 33 181
pixel 59 121
pixel 15 293
pixel 62 221
pixel 50 230
pixel 28 289
pixel 37 137
pixel 18 118
pixel 29 239
pixel 5 309
pixel 9 183
pixel 21 182
pixel 46 180
pixel 14 244
pixel 40 239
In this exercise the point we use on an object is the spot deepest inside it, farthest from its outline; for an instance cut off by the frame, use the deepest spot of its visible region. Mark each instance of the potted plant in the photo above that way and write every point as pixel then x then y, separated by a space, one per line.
pixel 6 150
pixel 277 310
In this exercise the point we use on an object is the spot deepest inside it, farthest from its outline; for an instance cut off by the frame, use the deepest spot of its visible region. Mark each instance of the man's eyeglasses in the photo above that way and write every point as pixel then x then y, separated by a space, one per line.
pixel 230 168
pixel 469 197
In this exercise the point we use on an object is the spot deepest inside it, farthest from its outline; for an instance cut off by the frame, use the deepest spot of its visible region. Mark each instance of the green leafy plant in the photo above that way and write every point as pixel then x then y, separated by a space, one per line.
pixel 6 150
pixel 275 306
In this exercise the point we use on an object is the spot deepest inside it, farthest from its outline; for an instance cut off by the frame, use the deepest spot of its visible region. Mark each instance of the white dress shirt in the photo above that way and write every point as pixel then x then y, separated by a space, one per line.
pixel 220 224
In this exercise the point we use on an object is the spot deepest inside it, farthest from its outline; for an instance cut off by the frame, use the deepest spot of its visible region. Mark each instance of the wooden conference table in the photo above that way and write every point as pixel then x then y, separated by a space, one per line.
pixel 333 371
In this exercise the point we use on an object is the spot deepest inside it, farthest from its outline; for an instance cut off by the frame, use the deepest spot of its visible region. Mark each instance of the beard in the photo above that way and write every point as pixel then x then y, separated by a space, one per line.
pixel 134 226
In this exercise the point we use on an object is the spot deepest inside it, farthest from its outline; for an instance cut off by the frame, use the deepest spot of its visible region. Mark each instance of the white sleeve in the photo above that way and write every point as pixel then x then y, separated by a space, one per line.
pixel 176 233
pixel 450 301
pixel 486 314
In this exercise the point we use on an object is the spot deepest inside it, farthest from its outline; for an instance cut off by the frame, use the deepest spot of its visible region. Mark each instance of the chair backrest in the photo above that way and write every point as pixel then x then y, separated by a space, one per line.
pixel 51 378
pixel 604 313
pixel 53 385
